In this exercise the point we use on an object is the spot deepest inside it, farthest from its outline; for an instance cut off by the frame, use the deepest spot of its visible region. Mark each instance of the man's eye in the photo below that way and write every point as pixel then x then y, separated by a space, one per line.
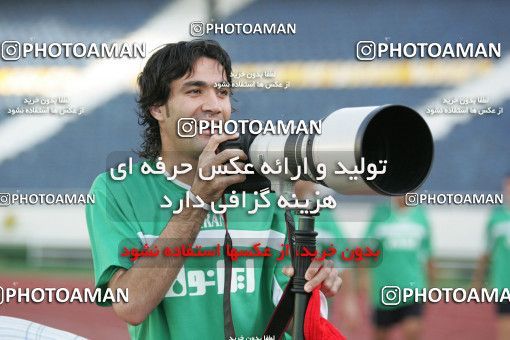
pixel 195 91
pixel 224 92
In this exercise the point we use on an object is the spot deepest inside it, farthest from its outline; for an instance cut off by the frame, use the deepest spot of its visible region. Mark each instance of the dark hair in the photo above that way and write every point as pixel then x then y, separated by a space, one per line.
pixel 169 63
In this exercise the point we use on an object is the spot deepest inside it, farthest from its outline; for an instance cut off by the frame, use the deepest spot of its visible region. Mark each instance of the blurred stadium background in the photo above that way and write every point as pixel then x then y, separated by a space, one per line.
pixel 48 246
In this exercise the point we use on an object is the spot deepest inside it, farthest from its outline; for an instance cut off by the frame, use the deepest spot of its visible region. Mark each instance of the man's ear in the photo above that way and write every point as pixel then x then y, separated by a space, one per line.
pixel 158 112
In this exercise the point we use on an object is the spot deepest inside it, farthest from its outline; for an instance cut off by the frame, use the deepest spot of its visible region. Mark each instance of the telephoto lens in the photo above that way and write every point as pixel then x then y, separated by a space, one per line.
pixel 394 138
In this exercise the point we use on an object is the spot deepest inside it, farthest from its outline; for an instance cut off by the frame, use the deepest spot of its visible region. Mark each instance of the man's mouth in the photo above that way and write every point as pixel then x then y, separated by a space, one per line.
pixel 207 131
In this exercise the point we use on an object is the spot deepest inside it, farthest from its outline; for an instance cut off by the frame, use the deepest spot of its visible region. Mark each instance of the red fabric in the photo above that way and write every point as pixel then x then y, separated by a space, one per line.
pixel 315 326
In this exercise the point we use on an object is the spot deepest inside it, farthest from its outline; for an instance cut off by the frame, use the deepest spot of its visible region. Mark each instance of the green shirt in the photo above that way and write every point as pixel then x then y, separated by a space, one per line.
pixel 498 243
pixel 127 213
pixel 405 240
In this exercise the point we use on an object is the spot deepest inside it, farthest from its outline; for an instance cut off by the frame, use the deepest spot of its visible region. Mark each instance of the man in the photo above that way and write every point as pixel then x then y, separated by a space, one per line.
pixel 496 257
pixel 404 233
pixel 169 297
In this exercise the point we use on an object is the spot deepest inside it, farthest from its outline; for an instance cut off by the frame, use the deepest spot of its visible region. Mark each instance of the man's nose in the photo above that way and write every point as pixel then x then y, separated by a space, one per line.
pixel 212 103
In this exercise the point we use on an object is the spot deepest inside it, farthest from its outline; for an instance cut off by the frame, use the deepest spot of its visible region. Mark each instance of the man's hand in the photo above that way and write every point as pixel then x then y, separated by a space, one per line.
pixel 211 191
pixel 320 272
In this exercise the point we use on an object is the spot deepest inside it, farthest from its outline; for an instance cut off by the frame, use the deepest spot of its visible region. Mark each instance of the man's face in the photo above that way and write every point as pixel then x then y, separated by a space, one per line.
pixel 194 96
